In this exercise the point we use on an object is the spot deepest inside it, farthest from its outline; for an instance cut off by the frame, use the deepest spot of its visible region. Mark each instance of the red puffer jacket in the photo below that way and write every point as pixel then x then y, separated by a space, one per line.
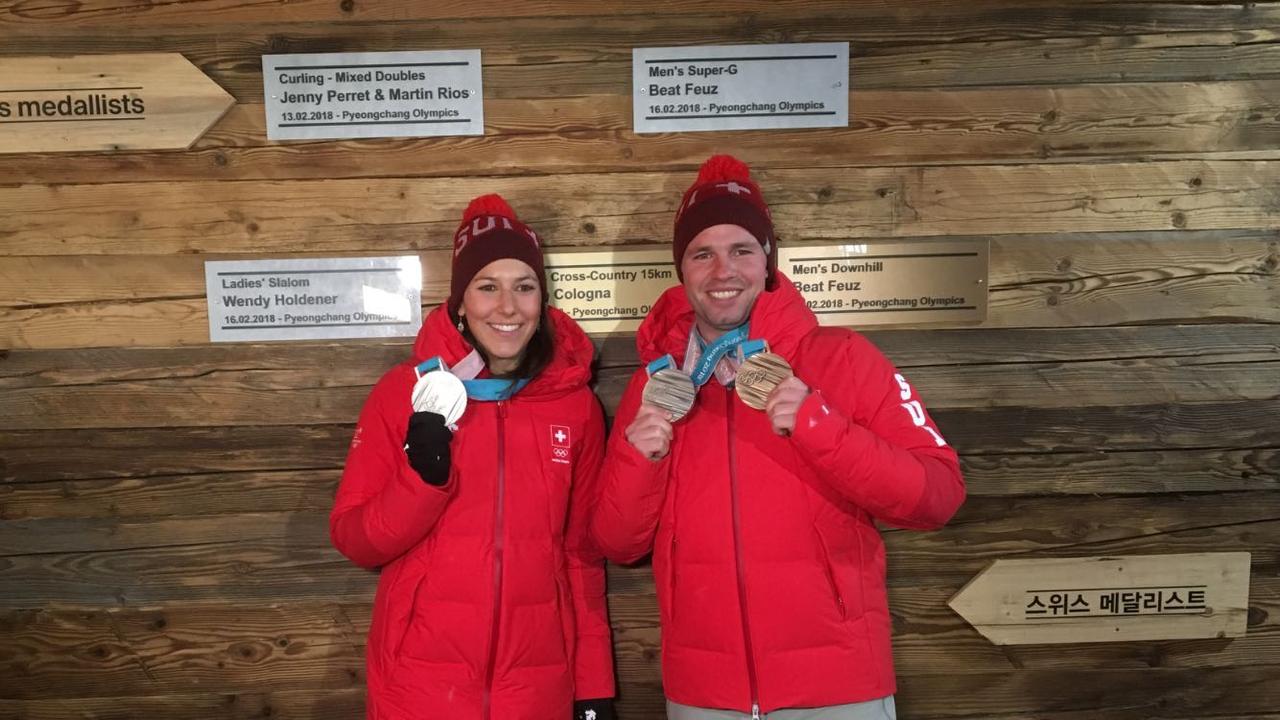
pixel 491 601
pixel 769 568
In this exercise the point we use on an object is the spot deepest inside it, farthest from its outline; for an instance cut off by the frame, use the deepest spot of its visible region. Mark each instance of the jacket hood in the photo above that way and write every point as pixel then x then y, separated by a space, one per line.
pixel 569 369
pixel 780 316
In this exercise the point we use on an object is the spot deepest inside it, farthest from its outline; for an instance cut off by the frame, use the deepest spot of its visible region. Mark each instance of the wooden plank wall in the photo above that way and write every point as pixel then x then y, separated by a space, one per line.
pixel 163 548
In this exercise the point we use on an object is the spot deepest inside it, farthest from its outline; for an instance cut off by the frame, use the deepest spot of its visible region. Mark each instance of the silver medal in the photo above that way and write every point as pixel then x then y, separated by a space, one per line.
pixel 442 393
pixel 670 390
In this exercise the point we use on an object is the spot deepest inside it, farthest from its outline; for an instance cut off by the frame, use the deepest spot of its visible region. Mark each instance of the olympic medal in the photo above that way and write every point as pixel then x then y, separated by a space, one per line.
pixel 670 390
pixel 442 393
pixel 758 376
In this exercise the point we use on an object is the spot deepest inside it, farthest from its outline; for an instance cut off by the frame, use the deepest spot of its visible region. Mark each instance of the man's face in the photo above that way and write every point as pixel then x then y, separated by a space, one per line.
pixel 724 270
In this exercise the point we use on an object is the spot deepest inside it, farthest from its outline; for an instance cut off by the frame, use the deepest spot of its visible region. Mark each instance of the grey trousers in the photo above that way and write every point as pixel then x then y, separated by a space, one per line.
pixel 882 709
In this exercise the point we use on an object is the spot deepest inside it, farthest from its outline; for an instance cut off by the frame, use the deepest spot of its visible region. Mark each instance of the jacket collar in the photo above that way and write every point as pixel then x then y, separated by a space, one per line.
pixel 570 366
pixel 779 316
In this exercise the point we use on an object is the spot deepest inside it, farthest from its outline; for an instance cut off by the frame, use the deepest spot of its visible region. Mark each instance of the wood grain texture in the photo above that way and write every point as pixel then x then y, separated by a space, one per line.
pixel 633 208
pixel 136 16
pixel 159 452
pixel 281 557
pixel 1079 473
pixel 222 647
pixel 163 501
pixel 282 384
pixel 316 704
pixel 591 133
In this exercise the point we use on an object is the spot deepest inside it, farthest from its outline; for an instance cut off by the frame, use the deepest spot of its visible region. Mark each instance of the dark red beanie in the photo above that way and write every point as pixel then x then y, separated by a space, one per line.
pixel 725 194
pixel 490 231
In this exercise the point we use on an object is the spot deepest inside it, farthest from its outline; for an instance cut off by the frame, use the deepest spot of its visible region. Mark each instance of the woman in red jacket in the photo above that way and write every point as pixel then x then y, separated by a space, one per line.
pixel 490 602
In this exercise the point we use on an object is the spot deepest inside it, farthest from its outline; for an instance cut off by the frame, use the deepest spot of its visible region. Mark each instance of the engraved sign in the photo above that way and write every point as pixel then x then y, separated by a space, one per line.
pixel 853 284
pixel 608 290
pixel 150 101
pixel 1099 599
pixel 382 94
pixel 740 87
pixel 309 299
pixel 889 283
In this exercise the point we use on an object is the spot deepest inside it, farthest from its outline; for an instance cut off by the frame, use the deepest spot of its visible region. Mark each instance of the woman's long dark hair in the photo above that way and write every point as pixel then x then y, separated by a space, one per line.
pixel 537 354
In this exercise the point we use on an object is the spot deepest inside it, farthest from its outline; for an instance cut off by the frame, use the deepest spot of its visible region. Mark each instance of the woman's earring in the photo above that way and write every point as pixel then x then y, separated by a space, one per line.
pixel 460 327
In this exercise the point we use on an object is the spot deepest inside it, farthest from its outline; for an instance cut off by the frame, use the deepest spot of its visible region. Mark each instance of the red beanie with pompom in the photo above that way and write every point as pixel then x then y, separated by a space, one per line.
pixel 490 231
pixel 725 194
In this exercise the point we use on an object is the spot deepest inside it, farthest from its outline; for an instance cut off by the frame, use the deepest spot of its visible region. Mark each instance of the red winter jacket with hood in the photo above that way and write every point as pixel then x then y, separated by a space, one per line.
pixel 491 600
pixel 769 569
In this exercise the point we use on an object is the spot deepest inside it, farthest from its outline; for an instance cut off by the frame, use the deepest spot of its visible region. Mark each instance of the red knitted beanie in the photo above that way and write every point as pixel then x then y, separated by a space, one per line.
pixel 725 194
pixel 490 231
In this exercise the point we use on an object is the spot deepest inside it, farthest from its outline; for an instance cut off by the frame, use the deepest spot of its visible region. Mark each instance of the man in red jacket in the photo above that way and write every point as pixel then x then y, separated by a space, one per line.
pixel 769 569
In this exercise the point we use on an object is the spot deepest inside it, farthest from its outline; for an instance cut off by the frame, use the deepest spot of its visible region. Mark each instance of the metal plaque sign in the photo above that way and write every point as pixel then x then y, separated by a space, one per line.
pixel 891 283
pixel 852 284
pixel 1100 599
pixel 382 94
pixel 608 290
pixel 313 299
pixel 740 87
pixel 148 101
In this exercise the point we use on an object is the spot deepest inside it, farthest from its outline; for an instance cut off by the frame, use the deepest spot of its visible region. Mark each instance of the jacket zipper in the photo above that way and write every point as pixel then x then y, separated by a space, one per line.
pixel 742 567
pixel 497 560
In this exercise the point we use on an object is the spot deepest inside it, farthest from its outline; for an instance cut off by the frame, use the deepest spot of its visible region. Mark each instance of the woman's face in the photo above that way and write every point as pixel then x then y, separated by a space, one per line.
pixel 501 306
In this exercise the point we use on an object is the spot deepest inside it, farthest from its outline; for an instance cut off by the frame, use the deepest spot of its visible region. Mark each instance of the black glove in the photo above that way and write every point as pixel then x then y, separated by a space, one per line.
pixel 601 709
pixel 427 446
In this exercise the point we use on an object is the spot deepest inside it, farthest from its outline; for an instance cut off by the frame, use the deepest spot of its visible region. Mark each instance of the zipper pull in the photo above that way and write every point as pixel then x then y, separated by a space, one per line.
pixel 755 711
pixel 502 408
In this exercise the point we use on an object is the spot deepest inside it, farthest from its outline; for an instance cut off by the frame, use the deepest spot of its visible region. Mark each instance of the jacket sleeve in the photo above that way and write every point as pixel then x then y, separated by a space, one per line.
pixel 593 658
pixel 633 487
pixel 889 457
pixel 383 507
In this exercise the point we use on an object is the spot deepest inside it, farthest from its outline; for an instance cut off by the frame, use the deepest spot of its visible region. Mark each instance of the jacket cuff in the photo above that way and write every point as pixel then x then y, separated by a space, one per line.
pixel 817 423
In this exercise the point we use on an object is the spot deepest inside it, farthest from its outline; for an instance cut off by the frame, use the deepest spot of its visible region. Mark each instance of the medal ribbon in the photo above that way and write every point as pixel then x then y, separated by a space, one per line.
pixel 735 339
pixel 751 347
pixel 486 389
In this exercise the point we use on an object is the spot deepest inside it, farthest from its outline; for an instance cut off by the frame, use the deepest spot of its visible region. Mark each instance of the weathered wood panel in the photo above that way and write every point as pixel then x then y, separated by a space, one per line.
pixel 810 204
pixel 591 133
pixel 74 454
pixel 280 557
pixel 178 649
pixel 136 16
pixel 241 705
pixel 1167 700
pixel 213 493
pixel 156 452
pixel 1081 473
pixel 163 553
pixel 1036 281
pixel 221 648
pixel 322 384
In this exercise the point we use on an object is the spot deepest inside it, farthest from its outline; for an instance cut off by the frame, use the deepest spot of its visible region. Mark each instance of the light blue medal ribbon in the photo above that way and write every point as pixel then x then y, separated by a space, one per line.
pixel 486 389
pixel 751 347
pixel 712 354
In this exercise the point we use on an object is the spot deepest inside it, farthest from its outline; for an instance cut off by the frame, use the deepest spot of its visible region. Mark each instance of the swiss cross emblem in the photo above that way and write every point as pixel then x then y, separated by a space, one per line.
pixel 560 436
pixel 560 440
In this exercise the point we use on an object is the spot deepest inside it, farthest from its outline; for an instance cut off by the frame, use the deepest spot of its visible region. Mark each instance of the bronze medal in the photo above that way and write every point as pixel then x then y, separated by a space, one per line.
pixel 758 376
pixel 670 390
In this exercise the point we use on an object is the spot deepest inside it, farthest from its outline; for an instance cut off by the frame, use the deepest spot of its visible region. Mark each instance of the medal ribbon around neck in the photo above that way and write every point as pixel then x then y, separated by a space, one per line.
pixel 487 389
pixel 711 356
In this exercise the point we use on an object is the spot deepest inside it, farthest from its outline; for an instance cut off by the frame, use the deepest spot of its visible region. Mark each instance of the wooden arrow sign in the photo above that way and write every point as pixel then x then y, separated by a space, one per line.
pixel 1101 599
pixel 105 102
